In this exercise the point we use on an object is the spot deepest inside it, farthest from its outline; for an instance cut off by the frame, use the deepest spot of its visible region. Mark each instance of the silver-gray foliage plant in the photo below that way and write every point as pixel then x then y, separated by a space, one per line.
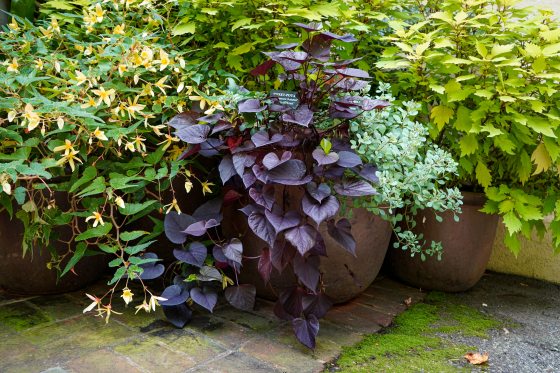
pixel 412 170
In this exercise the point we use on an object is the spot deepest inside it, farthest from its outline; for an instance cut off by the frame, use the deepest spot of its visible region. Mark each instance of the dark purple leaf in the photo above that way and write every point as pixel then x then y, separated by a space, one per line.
pixel 319 193
pixel 306 330
pixel 283 221
pixel 252 105
pixel 369 104
pixel 185 119
pixel 320 211
pixel 302 237
pixel 369 172
pixel 301 116
pixel 337 112
pixel 271 160
pixel 347 38
pixel 212 118
pixel 319 248
pixel 207 273
pixel 260 173
pixel 287 64
pixel 221 126
pixel 332 172
pixel 339 145
pixel 205 297
pixel 290 301
pixel 289 141
pixel 195 255
pixel 174 225
pixel 262 138
pixel 313 26
pixel 264 198
pixel 318 47
pixel 151 270
pixel 307 270
pixel 261 227
pixel 200 227
pixel 242 161
pixel 317 304
pixel 265 265
pixel 355 188
pixel 241 296
pixel 233 250
pixel 350 84
pixel 248 179
pixel 287 46
pixel 245 147
pixel 195 134
pixel 226 168
pixel 343 63
pixel 249 209
pixel 178 315
pixel 218 254
pixel 341 232
pixel 209 210
pixel 294 170
pixel 210 147
pixel 349 159
pixel 263 68
pixel 324 159
pixel 281 254
pixel 352 72
pixel 175 295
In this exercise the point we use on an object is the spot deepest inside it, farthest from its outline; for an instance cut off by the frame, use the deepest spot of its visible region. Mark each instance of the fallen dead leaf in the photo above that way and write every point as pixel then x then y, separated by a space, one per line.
pixel 476 359
pixel 408 301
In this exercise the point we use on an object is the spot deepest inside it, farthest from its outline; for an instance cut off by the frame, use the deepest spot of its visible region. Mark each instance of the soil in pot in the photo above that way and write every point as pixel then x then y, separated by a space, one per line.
pixel 344 276
pixel 29 275
pixel 467 246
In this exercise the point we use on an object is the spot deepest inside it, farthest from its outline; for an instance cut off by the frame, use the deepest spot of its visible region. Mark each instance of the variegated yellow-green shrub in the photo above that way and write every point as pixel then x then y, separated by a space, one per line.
pixel 487 74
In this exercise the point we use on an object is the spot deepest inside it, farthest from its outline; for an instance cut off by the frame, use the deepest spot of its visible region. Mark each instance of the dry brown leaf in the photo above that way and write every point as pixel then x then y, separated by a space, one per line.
pixel 476 359
pixel 408 301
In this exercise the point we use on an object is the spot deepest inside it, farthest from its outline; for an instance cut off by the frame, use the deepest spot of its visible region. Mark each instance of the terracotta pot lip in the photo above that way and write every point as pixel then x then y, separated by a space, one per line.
pixel 474 198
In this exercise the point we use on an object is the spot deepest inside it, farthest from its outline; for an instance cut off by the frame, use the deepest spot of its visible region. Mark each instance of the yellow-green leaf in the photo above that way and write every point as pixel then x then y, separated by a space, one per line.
pixel 541 159
pixel 468 144
pixel 441 115
pixel 242 49
pixel 542 125
pixel 184 28
pixel 512 222
pixel 241 22
pixel 483 174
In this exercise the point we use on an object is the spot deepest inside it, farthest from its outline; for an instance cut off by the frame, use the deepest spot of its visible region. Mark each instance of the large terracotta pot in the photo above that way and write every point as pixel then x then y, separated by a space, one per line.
pixel 29 275
pixel 344 276
pixel 467 246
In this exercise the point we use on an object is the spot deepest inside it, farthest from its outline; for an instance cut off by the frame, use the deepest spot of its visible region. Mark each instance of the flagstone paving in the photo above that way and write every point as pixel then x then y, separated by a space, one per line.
pixel 50 334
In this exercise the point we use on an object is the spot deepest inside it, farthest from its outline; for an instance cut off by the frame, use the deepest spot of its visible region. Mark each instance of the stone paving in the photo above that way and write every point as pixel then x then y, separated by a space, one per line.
pixel 50 334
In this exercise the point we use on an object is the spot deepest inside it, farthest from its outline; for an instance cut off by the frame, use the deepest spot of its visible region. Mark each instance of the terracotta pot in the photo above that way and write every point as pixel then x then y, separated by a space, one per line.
pixel 30 275
pixel 344 276
pixel 467 246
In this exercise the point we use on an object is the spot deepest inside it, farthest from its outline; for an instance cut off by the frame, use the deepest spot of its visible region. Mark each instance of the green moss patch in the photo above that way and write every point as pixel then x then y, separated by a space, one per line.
pixel 417 341
pixel 20 316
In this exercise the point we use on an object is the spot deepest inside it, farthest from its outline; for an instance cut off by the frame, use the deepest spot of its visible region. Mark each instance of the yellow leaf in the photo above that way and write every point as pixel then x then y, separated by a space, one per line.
pixel 541 159
pixel 483 174
pixel 441 115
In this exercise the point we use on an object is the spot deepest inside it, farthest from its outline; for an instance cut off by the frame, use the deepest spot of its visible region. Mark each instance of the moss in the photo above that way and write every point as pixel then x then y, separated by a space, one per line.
pixel 417 341
pixel 20 316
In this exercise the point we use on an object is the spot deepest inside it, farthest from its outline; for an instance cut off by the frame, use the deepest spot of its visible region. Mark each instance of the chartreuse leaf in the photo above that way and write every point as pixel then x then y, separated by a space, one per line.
pixel 483 174
pixel 512 243
pixel 512 222
pixel 541 159
pixel 468 144
pixel 441 115
pixel 326 145
pixel 184 28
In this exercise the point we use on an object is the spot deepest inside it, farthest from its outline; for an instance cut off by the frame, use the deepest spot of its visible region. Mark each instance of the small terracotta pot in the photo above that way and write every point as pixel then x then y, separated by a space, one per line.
pixel 344 276
pixel 467 246
pixel 30 275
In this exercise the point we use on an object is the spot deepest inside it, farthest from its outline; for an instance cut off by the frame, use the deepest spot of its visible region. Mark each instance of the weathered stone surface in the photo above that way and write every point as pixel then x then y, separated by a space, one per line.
pixel 21 316
pixel 57 307
pixel 250 320
pixel 199 347
pixel 237 362
pixel 102 361
pixel 226 333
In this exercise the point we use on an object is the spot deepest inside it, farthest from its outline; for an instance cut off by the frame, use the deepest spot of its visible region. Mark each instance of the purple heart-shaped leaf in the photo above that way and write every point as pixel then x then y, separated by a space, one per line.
pixel 318 47
pixel 265 265
pixel 210 147
pixel 208 273
pixel 271 160
pixel 319 193
pixel 369 172
pixel 307 270
pixel 283 221
pixel 226 169
pixel 264 198
pixel 348 159
pixel 262 138
pixel 347 38
pixel 260 225
pixel 302 237
pixel 242 161
pixel 151 270
pixel 320 211
pixel 233 250
pixel 248 179
pixel 195 255
pixel 205 297
pixel 306 330
pixel 316 304
pixel 357 188
pixel 218 254
pixel 313 26
pixel 174 224
pixel 250 106
pixel 194 134
pixel 241 296
pixel 209 210
pixel 281 254
pixel 185 119
pixel 263 68
pixel 221 126
pixel 200 227
pixel 323 158
pixel 341 232
pixel 352 72
pixel 301 116
pixel 292 170
pixel 260 173
pixel 175 295
pixel 369 104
